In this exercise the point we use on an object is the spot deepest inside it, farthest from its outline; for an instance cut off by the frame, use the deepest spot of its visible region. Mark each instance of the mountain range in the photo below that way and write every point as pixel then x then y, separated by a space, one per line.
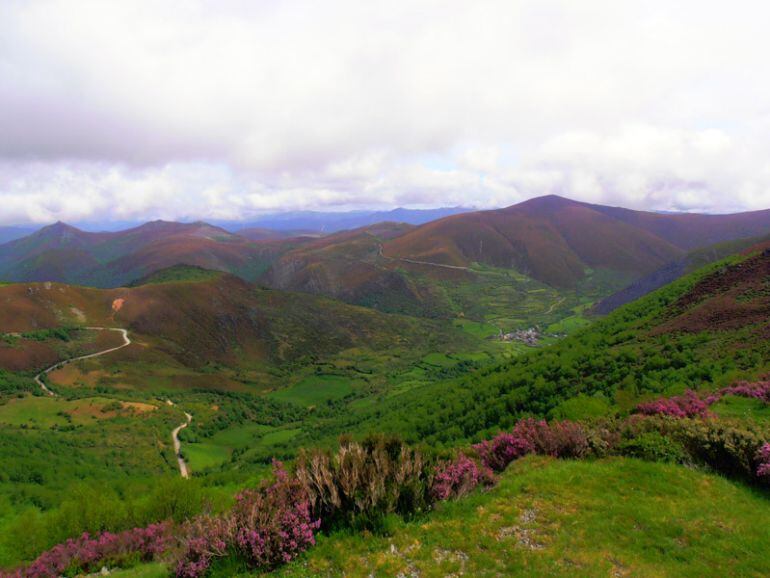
pixel 393 265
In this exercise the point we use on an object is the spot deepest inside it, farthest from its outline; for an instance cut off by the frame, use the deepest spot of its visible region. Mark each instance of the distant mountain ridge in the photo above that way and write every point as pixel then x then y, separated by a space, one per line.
pixel 332 222
pixel 551 239
pixel 64 253
pixel 11 233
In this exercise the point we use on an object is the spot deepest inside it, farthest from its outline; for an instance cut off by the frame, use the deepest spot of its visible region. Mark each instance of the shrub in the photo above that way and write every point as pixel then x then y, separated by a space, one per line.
pixel 686 405
pixel 363 482
pixel 561 439
pixel 267 526
pixel 86 553
pixel 653 446
pixel 274 524
pixel 459 477
pixel 758 390
pixel 204 539
pixel 725 448
pixel 763 457
pixel 497 453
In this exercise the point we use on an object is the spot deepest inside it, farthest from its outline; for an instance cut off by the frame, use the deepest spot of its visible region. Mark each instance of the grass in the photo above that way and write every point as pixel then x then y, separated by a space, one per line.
pixel 217 449
pixel 314 390
pixel 45 412
pixel 741 407
pixel 280 436
pixel 178 274
pixel 205 455
pixel 614 517
pixel 477 329
pixel 438 359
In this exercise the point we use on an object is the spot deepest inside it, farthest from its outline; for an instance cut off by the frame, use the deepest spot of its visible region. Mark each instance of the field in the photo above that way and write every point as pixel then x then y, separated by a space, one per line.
pixel 218 449
pixel 315 389
pixel 47 412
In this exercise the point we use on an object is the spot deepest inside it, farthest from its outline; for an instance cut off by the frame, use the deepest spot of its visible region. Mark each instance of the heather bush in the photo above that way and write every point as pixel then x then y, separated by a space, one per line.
pixel 561 439
pixel 204 539
pixel 687 405
pixel 458 477
pixel 267 526
pixel 763 459
pixel 273 524
pixel 500 451
pixel 87 554
pixel 363 482
pixel 757 390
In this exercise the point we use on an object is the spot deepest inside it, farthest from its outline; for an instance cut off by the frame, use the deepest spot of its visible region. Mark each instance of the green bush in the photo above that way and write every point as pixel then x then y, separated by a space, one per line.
pixel 654 447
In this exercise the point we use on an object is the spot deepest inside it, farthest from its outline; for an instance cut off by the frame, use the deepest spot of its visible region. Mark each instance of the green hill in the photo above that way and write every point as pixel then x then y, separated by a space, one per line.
pixel 613 517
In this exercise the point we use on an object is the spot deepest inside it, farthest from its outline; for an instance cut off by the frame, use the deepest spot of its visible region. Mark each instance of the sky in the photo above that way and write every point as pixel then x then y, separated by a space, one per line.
pixel 143 109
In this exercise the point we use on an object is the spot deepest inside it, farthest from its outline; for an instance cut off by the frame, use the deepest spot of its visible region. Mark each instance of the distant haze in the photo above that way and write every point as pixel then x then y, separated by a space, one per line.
pixel 227 110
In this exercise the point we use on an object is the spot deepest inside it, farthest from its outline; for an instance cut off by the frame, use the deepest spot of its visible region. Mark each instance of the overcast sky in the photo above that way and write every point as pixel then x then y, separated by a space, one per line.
pixel 227 109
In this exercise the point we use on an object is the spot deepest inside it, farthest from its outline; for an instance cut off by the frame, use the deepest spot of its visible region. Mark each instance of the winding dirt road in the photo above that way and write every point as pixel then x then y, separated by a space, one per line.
pixel 555 305
pixel 183 469
pixel 416 262
pixel 60 364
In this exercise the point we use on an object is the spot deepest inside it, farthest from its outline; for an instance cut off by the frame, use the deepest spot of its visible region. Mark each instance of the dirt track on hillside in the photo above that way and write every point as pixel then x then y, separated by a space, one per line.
pixel 183 469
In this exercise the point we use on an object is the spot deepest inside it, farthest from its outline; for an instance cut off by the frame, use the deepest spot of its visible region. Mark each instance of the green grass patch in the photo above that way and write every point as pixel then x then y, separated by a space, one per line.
pixel 280 436
pixel 743 408
pixel 314 390
pixel 205 455
pixel 477 328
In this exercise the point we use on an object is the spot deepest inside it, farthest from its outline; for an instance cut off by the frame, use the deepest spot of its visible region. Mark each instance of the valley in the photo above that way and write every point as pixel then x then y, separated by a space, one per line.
pixel 159 397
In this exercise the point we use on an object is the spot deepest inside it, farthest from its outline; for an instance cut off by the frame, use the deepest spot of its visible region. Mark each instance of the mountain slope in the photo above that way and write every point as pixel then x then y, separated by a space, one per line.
pixel 264 234
pixel 198 319
pixel 346 265
pixel 691 230
pixel 555 239
pixel 569 246
pixel 673 271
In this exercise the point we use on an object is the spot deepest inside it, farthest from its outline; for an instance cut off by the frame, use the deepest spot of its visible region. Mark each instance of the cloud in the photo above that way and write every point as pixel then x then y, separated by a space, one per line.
pixel 178 109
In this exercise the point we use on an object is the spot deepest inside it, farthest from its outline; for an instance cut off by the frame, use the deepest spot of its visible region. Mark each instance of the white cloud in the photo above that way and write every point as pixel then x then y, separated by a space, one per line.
pixel 177 109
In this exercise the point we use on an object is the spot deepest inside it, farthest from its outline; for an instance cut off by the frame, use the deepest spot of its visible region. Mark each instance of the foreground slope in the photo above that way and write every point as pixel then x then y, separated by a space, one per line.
pixel 612 517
